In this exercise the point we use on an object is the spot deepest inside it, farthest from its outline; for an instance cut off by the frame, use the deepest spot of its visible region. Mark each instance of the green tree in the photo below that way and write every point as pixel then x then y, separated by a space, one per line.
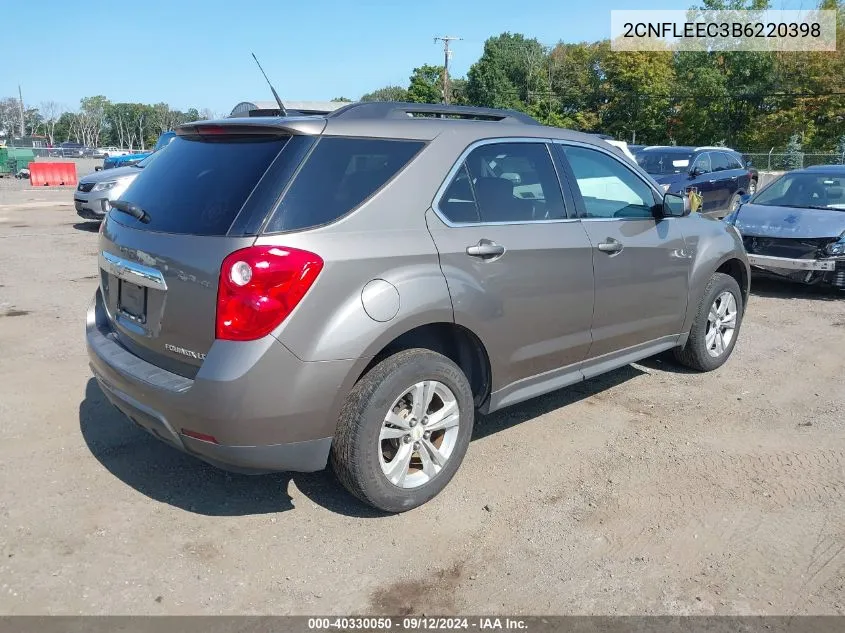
pixel 636 90
pixel 388 93
pixel 426 84
pixel 840 149
pixel 509 72
pixel 794 158
pixel 458 91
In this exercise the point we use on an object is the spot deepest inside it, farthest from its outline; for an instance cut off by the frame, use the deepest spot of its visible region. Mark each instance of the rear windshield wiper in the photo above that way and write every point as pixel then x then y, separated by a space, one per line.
pixel 131 209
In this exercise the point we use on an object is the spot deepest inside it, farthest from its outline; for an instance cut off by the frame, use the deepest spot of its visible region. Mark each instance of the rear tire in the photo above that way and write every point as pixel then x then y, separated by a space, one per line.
pixel 382 424
pixel 719 312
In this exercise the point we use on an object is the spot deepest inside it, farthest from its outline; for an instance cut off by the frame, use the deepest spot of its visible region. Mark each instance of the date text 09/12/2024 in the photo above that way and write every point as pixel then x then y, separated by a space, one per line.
pixel 411 623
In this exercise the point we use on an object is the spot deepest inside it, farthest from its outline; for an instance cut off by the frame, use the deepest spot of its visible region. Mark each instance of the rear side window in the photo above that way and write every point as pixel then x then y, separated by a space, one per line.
pixel 337 177
pixel 197 187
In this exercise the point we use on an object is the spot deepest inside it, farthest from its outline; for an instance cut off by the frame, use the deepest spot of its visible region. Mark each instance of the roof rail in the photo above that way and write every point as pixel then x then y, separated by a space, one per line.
pixel 400 110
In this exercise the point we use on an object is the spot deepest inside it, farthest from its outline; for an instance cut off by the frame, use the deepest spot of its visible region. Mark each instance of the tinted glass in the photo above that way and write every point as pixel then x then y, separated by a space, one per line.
pixel 197 187
pixel 663 163
pixel 734 162
pixel 702 164
pixel 505 182
pixel 804 190
pixel 719 161
pixel 608 188
pixel 338 176
pixel 458 202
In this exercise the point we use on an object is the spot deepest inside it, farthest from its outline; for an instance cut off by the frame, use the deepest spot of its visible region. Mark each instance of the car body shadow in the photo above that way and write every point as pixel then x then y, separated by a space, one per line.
pixel 89 226
pixel 763 285
pixel 169 476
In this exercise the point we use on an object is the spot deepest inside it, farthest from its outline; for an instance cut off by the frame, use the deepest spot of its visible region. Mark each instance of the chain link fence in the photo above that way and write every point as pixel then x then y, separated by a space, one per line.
pixel 774 161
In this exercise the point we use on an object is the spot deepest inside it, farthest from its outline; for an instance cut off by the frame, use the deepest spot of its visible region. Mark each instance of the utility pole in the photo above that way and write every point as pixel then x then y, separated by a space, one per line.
pixel 20 105
pixel 447 53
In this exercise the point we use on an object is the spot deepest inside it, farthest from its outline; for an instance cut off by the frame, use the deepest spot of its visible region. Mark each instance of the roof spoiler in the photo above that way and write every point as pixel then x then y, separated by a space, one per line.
pixel 253 127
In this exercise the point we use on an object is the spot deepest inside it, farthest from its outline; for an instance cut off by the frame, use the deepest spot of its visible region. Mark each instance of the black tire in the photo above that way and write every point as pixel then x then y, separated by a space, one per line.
pixel 734 203
pixel 355 448
pixel 694 353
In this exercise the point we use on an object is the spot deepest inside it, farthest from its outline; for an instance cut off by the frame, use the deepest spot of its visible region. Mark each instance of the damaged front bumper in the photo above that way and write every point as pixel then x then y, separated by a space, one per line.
pixel 788 263
pixel 809 271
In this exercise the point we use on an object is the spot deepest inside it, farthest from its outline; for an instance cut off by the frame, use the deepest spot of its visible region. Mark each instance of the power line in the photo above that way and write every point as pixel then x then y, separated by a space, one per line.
pixel 447 53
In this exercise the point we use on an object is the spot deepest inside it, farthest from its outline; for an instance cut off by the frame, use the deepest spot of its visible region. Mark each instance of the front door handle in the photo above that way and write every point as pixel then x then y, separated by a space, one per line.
pixel 485 249
pixel 610 246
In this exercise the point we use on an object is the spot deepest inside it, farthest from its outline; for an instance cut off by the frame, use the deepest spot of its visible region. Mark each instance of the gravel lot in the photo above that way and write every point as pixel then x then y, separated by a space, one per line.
pixel 647 491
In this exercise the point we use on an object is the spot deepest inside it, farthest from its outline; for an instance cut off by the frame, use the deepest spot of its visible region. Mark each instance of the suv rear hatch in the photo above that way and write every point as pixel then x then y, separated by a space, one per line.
pixel 205 195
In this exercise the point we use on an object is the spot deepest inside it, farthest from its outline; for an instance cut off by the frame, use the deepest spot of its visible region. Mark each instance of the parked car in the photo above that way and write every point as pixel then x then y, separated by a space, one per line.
pixel 125 160
pixel 719 174
pixel 622 145
pixel 795 226
pixel 278 292
pixel 70 149
pixel 95 192
pixel 106 152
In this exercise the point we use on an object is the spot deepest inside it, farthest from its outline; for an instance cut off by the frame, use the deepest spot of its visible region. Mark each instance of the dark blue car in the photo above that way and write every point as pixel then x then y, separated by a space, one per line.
pixel 134 159
pixel 719 174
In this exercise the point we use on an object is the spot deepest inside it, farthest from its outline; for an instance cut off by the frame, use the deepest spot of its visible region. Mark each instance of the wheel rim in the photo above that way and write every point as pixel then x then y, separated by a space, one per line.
pixel 735 204
pixel 721 324
pixel 419 434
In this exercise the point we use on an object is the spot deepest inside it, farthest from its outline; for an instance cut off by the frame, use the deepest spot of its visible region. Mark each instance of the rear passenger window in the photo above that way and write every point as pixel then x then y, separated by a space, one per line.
pixel 337 177
pixel 504 182
pixel 719 161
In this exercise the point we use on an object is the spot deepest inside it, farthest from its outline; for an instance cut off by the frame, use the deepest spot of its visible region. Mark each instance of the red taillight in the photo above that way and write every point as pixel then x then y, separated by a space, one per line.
pixel 259 287
pixel 210 130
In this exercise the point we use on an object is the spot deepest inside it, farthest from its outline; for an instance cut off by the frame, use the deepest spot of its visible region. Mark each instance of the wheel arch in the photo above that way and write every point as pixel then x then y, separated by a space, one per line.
pixel 459 344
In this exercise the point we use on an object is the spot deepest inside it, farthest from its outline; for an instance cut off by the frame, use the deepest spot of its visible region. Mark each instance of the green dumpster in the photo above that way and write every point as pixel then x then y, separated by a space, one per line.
pixel 5 166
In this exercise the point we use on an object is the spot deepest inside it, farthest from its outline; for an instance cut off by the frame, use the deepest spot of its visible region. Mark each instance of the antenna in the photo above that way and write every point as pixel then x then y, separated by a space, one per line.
pixel 275 94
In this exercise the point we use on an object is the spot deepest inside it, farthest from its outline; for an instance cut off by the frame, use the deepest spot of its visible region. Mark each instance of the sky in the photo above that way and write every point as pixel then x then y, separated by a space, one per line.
pixel 192 53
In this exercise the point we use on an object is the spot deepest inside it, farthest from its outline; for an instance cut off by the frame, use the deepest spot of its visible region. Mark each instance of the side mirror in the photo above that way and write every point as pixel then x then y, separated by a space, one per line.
pixel 676 205
pixel 694 172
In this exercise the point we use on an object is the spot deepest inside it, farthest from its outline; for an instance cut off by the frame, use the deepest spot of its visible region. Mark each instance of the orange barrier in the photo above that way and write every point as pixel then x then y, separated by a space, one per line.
pixel 52 174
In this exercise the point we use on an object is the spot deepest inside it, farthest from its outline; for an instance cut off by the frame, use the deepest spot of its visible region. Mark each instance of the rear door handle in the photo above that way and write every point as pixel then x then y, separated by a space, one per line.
pixel 711 180
pixel 610 246
pixel 734 177
pixel 485 249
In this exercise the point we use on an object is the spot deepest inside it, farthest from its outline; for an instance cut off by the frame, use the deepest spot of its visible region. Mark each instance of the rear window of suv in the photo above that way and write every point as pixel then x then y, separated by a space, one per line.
pixel 197 187
pixel 337 177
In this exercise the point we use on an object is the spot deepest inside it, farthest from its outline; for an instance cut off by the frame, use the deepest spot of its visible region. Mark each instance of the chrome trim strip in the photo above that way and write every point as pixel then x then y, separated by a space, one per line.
pixel 132 272
pixel 459 163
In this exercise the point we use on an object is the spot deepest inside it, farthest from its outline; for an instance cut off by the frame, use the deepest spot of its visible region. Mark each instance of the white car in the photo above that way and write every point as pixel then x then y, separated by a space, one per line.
pixel 105 152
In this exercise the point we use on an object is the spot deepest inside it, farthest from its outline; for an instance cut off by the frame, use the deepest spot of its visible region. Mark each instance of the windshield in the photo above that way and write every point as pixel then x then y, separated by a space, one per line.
pixel 805 190
pixel 664 163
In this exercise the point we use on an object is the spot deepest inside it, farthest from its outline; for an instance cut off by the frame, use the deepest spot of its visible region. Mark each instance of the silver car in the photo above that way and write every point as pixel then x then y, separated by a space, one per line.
pixel 95 192
pixel 278 293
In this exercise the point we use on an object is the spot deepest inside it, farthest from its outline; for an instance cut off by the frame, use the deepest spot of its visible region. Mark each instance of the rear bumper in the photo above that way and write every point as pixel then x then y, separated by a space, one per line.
pixel 266 409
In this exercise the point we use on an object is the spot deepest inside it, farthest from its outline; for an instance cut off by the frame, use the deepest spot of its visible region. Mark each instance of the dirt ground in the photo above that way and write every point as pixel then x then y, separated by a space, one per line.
pixel 647 491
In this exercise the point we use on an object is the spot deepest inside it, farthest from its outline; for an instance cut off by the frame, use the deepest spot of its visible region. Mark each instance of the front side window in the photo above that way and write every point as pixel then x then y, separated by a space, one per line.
pixel 607 187
pixel 702 164
pixel 504 182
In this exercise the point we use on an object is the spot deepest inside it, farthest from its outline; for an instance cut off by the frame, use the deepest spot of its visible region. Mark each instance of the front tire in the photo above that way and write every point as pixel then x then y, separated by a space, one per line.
pixel 716 326
pixel 404 430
